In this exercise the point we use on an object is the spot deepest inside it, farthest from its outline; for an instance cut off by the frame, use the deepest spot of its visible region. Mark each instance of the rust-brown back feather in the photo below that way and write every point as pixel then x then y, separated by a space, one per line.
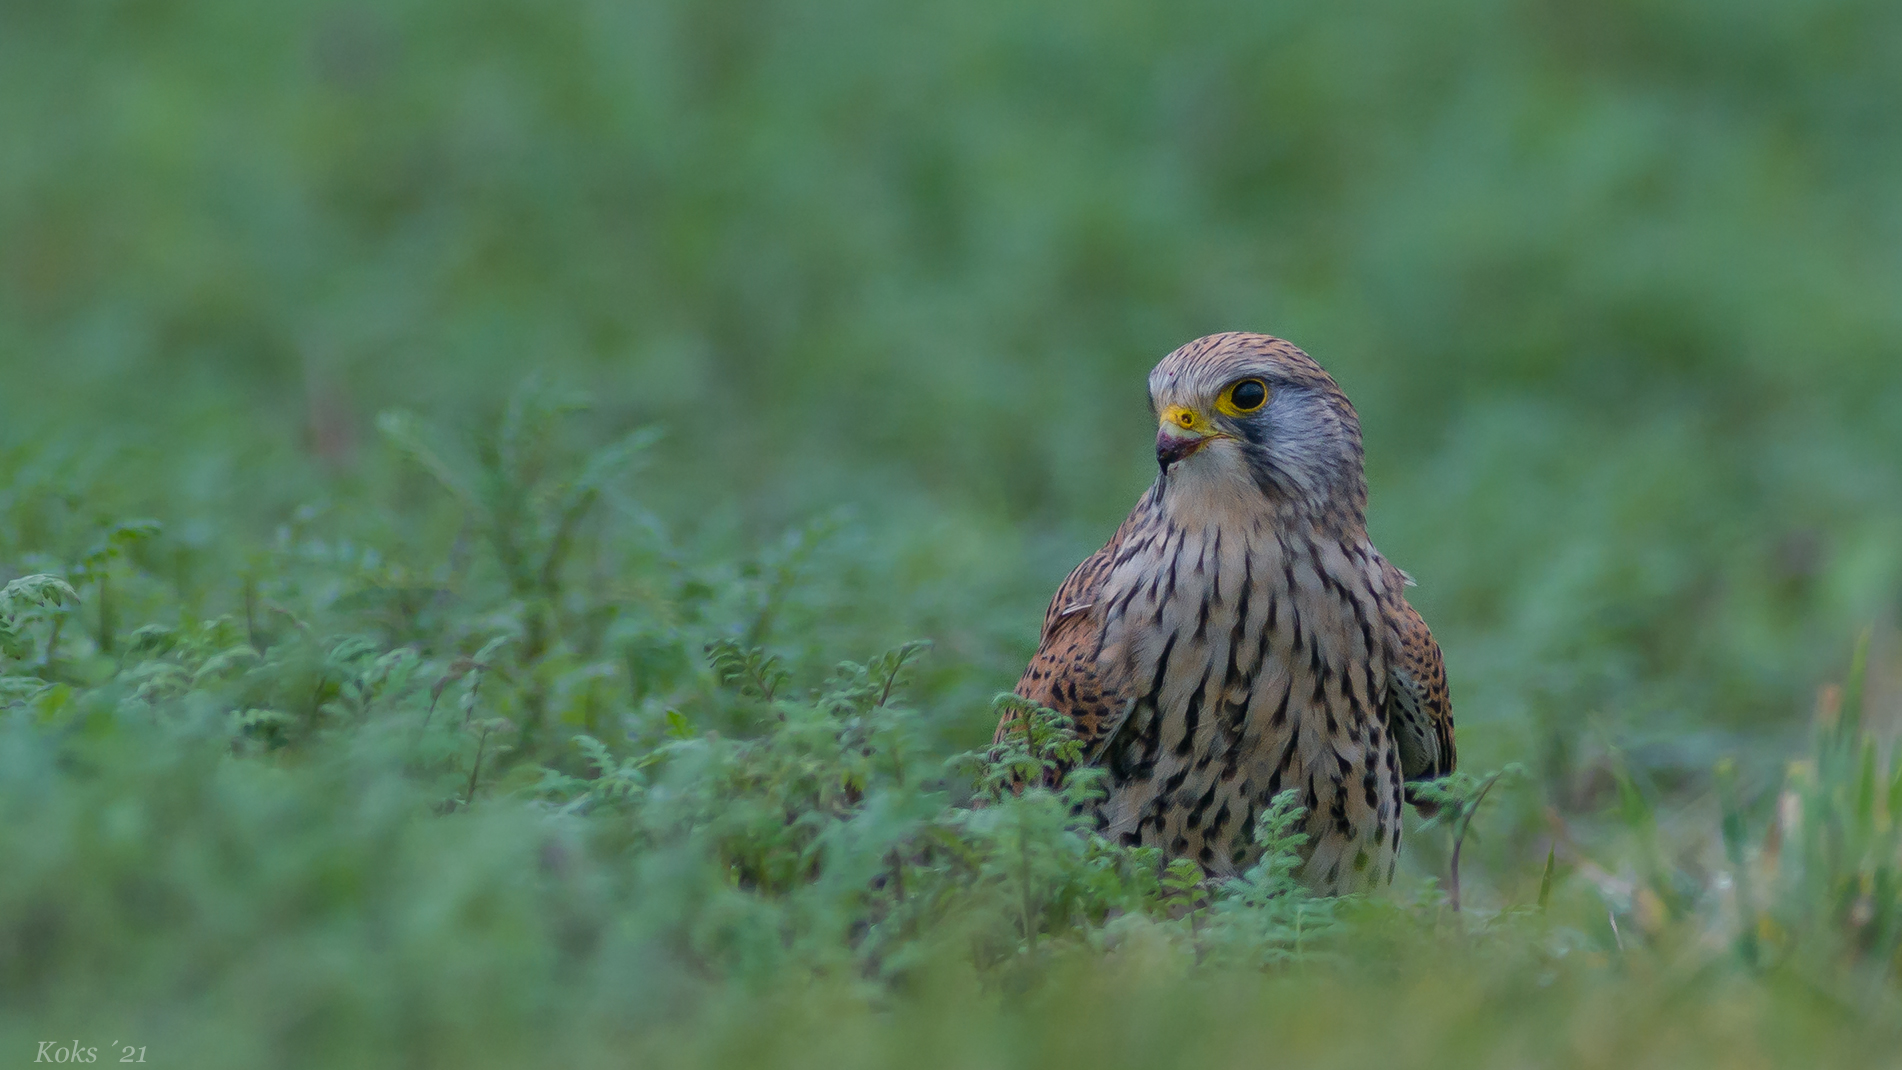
pixel 1064 675
pixel 1419 710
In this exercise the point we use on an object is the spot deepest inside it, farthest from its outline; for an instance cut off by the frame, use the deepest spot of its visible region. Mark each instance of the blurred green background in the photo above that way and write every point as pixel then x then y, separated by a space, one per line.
pixel 1617 289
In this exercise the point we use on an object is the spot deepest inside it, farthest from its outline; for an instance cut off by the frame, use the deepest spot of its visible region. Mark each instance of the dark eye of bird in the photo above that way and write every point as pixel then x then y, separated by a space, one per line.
pixel 1248 395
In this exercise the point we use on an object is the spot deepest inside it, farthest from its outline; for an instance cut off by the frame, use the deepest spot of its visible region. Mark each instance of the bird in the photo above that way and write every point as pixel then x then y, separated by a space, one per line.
pixel 1239 635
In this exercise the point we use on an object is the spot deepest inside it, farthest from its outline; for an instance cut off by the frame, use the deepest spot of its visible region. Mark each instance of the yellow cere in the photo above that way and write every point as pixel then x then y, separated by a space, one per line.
pixel 1181 416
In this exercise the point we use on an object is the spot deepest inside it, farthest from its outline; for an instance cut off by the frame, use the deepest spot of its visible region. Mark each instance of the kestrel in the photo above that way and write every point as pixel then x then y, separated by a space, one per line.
pixel 1240 635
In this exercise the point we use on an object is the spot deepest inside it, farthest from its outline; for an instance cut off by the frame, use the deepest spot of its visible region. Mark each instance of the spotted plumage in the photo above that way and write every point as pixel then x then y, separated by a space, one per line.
pixel 1240 635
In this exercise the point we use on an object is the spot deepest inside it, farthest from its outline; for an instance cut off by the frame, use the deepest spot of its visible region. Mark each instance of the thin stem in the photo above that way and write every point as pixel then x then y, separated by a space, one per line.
pixel 52 640
pixel 251 613
pixel 475 770
pixel 1467 810
pixel 1453 881
pixel 108 619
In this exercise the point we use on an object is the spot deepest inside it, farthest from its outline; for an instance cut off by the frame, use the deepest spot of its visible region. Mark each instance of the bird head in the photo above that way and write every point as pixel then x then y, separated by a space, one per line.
pixel 1242 414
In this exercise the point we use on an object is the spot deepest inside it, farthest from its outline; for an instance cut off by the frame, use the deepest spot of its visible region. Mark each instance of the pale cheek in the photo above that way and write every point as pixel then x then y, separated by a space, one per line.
pixel 1301 440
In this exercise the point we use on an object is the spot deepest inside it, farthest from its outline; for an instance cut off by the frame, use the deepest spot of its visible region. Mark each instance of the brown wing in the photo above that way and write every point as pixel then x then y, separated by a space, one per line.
pixel 1063 674
pixel 1418 709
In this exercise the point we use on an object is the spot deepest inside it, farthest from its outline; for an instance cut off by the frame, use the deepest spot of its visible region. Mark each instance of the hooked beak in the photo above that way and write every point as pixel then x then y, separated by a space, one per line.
pixel 1181 431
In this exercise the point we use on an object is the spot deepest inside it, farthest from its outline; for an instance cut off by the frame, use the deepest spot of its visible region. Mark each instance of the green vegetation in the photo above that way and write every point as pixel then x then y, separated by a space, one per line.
pixel 514 518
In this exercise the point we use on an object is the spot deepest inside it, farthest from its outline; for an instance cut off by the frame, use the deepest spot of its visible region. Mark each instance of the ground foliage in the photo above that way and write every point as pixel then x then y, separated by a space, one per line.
pixel 514 520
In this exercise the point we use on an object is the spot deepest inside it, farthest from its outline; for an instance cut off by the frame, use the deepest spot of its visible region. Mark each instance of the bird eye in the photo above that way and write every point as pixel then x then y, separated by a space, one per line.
pixel 1247 395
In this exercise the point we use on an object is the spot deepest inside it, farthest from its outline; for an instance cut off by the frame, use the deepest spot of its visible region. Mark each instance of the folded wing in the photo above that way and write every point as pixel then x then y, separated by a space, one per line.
pixel 1063 675
pixel 1419 713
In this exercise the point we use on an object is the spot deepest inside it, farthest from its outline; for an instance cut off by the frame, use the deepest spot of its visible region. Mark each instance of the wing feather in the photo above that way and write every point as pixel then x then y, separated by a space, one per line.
pixel 1064 674
pixel 1419 711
